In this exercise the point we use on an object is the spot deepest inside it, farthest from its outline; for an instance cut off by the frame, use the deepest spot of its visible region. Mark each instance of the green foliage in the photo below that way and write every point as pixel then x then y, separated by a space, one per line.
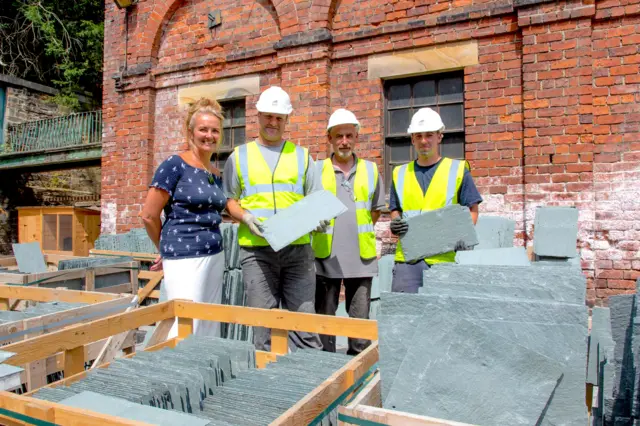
pixel 55 42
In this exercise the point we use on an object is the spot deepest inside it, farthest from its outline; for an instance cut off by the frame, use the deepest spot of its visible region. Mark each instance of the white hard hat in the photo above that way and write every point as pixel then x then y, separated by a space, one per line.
pixel 274 100
pixel 343 116
pixel 426 120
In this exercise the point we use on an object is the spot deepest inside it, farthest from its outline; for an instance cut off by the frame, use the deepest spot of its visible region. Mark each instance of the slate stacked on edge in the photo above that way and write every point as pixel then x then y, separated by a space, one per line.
pixel 495 336
pixel 210 378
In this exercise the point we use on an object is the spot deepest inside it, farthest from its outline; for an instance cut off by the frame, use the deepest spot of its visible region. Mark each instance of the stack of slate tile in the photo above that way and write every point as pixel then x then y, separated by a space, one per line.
pixel 486 344
pixel 41 308
pixel 233 286
pixel 136 241
pixel 381 282
pixel 494 232
pixel 614 361
pixel 210 378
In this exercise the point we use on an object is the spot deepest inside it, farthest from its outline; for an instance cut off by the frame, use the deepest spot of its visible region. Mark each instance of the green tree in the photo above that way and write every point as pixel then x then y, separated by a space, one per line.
pixel 55 42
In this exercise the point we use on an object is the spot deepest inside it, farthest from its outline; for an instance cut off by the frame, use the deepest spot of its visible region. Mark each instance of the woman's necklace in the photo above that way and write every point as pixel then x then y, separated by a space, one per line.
pixel 206 169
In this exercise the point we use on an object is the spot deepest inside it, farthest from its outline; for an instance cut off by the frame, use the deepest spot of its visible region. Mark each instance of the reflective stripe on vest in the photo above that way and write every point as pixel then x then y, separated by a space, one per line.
pixel 265 192
pixel 364 187
pixel 442 191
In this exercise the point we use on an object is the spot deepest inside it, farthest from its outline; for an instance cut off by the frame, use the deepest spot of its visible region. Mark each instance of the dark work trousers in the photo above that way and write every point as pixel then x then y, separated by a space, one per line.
pixel 358 300
pixel 407 277
pixel 284 279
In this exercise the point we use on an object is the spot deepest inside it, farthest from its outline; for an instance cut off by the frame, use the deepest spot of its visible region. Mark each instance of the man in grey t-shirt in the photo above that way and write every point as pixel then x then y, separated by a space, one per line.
pixel 346 251
pixel 257 182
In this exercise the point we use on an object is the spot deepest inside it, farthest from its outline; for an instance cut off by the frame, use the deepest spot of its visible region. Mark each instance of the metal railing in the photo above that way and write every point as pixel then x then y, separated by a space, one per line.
pixel 52 133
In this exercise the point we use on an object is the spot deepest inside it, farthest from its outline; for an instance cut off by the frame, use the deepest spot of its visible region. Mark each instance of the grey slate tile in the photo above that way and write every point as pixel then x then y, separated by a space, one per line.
pixel 458 371
pixel 438 231
pixel 29 258
pixel 301 218
pixel 555 231
pixel 402 304
pixel 119 407
pixel 494 232
pixel 599 341
pixel 509 256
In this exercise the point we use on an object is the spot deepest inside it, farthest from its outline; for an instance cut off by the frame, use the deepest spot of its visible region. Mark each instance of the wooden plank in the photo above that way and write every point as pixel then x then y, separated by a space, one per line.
pixel 370 394
pixel 161 332
pixel 185 327
pixel 62 415
pixel 8 261
pixel 122 288
pixel 309 407
pixel 113 343
pixel 154 294
pixel 82 334
pixel 43 294
pixel 279 341
pixel 278 319
pixel 90 280
pixel 263 358
pixel 136 256
pixel 51 319
pixel 4 304
pixel 154 280
pixel 70 274
pixel 383 416
pixel 74 361
pixel 133 274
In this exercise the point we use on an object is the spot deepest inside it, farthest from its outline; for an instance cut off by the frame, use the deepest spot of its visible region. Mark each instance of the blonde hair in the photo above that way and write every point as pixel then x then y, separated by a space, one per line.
pixel 203 106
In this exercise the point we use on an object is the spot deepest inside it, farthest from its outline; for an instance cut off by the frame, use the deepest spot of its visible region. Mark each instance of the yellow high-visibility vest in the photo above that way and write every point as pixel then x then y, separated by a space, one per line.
pixel 442 191
pixel 263 192
pixel 364 186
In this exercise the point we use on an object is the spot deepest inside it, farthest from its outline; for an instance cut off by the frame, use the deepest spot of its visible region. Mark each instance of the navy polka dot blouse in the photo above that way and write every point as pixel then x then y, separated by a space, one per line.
pixel 192 225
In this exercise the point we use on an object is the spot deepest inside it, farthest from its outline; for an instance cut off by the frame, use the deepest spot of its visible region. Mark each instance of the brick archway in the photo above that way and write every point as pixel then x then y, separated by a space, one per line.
pixel 162 12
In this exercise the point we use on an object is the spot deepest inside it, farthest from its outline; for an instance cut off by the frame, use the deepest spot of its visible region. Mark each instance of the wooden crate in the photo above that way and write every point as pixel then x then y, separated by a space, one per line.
pixel 365 408
pixel 150 279
pixel 72 341
pixel 54 278
pixel 59 230
pixel 99 305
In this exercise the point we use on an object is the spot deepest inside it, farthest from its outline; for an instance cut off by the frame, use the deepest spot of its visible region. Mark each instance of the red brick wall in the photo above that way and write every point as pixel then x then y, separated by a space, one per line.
pixel 551 110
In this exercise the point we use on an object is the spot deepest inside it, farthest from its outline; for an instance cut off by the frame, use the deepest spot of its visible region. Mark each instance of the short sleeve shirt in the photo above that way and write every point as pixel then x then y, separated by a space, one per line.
pixel 193 212
pixel 468 195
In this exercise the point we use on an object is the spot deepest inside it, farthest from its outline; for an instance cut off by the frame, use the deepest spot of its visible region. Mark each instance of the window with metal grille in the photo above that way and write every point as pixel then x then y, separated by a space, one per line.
pixel 233 128
pixel 403 97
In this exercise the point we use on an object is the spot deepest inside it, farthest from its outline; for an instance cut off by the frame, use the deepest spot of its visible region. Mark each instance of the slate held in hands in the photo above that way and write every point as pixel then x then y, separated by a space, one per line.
pixel 299 219
pixel 438 231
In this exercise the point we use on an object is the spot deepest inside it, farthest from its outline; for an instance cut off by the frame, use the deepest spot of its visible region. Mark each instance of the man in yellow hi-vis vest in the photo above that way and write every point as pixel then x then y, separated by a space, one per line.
pixel 428 183
pixel 261 178
pixel 346 251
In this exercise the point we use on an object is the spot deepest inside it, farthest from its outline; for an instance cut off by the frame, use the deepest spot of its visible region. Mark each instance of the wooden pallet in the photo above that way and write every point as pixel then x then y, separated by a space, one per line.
pixel 55 278
pixel 72 340
pixel 365 408
pixel 35 374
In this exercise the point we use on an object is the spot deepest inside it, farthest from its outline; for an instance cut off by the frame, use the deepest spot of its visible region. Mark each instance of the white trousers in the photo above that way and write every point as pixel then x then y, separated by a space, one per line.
pixel 198 279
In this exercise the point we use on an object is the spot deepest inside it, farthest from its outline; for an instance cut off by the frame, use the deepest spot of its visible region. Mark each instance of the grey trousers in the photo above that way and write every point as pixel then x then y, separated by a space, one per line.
pixel 407 277
pixel 284 279
pixel 358 300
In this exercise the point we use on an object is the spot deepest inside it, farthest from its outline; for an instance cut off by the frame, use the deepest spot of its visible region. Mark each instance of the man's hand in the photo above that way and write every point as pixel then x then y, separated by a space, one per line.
pixel 324 224
pixel 399 226
pixel 461 246
pixel 253 223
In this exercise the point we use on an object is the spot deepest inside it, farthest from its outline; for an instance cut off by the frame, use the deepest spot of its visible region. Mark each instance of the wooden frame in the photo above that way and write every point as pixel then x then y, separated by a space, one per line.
pixel 71 339
pixel 365 408
pixel 35 374
pixel 88 274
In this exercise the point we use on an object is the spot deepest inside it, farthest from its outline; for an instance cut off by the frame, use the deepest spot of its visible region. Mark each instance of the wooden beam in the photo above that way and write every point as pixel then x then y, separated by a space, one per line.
pixel 74 361
pixel 90 280
pixel 42 294
pixel 279 341
pixel 263 358
pixel 4 304
pixel 62 414
pixel 161 332
pixel 185 327
pixel 136 256
pixel 82 334
pixel 154 280
pixel 113 343
pixel 278 319
pixel 309 407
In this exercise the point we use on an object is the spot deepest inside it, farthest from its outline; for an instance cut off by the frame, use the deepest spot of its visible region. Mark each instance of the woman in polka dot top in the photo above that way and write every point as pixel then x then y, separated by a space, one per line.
pixel 188 188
